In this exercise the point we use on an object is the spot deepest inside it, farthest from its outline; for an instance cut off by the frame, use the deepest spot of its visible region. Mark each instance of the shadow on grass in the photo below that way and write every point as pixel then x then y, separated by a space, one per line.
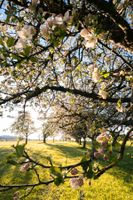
pixel 11 173
pixel 4 166
pixel 124 169
pixel 71 152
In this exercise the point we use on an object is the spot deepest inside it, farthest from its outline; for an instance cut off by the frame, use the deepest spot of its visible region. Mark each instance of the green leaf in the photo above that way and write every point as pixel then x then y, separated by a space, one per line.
pixel 90 172
pixel 27 50
pixel 10 42
pixel 55 171
pixel 58 180
pixel 12 162
pixel 105 74
pixel 84 164
pixel 11 159
pixel 20 150
pixel 119 103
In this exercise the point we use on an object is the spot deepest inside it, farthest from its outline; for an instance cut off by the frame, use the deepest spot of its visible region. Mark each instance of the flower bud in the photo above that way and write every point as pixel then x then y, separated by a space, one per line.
pixel 74 171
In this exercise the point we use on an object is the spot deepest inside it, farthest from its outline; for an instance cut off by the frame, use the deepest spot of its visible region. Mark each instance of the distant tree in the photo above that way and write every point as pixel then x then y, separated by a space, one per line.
pixel 23 126
pixel 47 130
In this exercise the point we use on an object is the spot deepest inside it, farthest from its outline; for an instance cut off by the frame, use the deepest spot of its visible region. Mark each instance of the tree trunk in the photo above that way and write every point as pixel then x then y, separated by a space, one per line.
pixel 84 142
pixel 44 139
pixel 26 138
pixel 80 141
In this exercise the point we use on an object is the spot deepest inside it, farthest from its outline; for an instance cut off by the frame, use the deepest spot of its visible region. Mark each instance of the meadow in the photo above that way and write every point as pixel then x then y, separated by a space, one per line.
pixel 116 184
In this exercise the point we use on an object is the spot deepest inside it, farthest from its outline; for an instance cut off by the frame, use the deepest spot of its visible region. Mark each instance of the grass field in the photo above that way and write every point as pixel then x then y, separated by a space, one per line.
pixel 116 184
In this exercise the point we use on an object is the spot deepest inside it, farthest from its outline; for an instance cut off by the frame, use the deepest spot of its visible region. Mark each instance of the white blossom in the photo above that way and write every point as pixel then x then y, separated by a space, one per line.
pixel 84 33
pixel 45 31
pixel 50 22
pixel 90 39
pixel 59 20
pixel 120 108
pixel 20 44
pixel 66 16
pixel 96 75
pixel 27 32
pixel 103 93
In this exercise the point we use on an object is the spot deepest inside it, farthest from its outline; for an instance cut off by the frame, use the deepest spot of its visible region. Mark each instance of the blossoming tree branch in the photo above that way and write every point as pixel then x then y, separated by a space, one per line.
pixel 75 57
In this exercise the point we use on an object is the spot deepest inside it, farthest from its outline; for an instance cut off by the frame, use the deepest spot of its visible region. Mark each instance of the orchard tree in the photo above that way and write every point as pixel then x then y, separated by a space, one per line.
pixel 47 130
pixel 55 50
pixel 23 126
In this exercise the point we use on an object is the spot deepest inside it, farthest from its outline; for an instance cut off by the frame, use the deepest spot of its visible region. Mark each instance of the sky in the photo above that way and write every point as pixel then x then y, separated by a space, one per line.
pixel 9 117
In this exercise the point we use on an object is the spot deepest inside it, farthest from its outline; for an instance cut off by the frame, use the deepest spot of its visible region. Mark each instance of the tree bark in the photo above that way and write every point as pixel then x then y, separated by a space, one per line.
pixel 44 139
pixel 26 138
pixel 84 142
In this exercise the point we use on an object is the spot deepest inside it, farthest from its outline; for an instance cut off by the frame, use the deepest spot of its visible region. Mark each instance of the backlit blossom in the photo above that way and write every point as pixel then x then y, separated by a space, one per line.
pixel 120 108
pixel 50 22
pixel 45 31
pixel 66 16
pixel 90 39
pixel 59 19
pixel 84 33
pixel 103 94
pixel 96 75
pixel 103 138
pixel 91 42
pixel 27 32
pixel 20 44
pixel 76 182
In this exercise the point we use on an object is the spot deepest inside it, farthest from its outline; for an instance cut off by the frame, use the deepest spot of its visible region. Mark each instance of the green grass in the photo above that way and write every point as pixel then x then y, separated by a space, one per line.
pixel 116 184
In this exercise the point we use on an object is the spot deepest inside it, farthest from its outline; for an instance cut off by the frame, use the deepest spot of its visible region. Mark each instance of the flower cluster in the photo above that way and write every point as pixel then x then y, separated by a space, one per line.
pixel 103 140
pixel 25 35
pixel 52 22
pixel 90 39
pixel 76 182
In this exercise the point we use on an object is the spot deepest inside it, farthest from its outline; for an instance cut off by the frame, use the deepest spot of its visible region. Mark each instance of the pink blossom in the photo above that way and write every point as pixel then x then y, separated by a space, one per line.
pixel 97 154
pixel 24 167
pixel 76 182
pixel 74 171
pixel 101 150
